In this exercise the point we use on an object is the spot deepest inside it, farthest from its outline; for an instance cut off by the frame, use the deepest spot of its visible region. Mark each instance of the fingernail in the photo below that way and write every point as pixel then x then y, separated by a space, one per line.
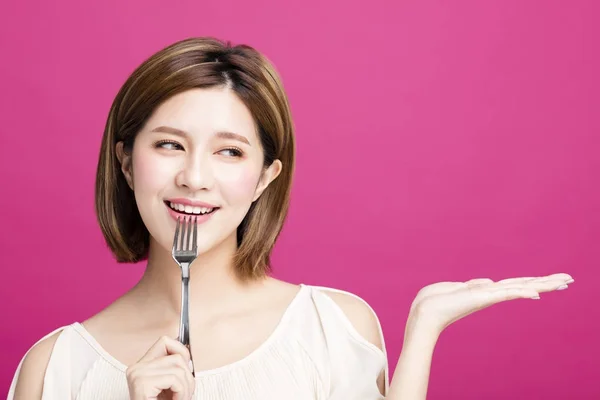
pixel 570 281
pixel 191 365
pixel 562 287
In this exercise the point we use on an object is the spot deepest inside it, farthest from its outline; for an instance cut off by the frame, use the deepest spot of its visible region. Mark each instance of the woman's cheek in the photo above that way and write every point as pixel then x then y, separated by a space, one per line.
pixel 238 184
pixel 150 173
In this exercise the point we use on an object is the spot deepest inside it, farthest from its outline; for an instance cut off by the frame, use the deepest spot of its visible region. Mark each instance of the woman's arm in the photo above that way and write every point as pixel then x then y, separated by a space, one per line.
pixel 411 376
pixel 441 304
pixel 412 370
pixel 434 308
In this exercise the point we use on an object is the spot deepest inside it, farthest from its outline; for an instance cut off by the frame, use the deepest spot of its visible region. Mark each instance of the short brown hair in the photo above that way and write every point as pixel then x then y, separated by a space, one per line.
pixel 202 62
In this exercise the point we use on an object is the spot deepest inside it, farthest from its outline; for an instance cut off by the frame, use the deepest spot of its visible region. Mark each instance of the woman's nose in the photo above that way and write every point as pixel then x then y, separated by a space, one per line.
pixel 195 173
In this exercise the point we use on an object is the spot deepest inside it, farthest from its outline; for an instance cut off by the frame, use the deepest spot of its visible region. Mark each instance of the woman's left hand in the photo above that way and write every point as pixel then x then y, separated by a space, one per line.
pixel 443 303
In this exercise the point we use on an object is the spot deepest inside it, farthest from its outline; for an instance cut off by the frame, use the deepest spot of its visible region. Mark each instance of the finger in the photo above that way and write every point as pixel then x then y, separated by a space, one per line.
pixel 169 380
pixel 479 282
pixel 565 278
pixel 509 293
pixel 156 365
pixel 166 346
pixel 518 280
pixel 540 286
pixel 185 384
pixel 182 378
pixel 561 276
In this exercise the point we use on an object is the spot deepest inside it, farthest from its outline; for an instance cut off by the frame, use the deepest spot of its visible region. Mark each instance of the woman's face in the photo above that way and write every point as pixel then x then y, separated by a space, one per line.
pixel 198 154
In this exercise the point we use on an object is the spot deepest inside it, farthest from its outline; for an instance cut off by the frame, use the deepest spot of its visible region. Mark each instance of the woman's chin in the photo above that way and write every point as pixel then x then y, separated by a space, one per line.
pixel 205 247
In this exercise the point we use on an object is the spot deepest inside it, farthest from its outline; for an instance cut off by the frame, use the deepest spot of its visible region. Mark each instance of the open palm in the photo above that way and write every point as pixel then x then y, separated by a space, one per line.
pixel 446 302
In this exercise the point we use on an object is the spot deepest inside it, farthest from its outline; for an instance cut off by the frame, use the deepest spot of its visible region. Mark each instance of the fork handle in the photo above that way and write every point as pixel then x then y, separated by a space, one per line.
pixel 184 322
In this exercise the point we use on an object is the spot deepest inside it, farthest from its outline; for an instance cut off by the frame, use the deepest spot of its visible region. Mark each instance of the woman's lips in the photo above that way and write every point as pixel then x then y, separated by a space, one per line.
pixel 200 218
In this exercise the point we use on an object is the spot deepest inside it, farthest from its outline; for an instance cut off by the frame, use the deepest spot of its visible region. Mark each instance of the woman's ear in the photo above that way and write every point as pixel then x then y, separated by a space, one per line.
pixel 267 177
pixel 125 161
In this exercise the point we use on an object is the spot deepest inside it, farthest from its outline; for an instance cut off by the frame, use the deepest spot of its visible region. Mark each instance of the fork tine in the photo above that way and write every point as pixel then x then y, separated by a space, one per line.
pixel 184 234
pixel 176 234
pixel 195 237
pixel 189 234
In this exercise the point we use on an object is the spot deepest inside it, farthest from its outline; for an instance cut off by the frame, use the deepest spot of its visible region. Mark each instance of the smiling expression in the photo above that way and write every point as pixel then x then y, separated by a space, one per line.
pixel 199 153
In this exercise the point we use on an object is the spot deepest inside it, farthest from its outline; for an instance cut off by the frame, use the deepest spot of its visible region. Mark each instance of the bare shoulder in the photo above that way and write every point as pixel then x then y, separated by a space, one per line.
pixel 364 320
pixel 31 377
pixel 359 313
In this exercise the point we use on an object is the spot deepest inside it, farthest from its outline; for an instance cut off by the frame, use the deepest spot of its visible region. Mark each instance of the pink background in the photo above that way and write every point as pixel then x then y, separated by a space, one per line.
pixel 437 140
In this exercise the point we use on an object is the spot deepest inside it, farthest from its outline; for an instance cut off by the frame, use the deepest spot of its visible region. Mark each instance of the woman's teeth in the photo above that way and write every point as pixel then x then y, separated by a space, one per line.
pixel 189 209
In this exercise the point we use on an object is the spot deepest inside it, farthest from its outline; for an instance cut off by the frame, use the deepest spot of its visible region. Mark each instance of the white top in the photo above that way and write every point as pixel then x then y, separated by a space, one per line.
pixel 313 353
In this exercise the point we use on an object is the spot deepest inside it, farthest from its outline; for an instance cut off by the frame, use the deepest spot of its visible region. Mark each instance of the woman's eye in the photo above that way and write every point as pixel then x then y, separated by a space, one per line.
pixel 232 152
pixel 168 145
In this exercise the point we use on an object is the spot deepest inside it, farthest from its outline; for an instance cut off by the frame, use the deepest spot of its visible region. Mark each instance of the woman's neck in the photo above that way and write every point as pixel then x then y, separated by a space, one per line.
pixel 214 285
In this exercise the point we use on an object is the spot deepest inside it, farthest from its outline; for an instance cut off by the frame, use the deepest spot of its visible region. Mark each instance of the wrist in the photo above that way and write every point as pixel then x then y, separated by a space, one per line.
pixel 421 326
pixel 411 375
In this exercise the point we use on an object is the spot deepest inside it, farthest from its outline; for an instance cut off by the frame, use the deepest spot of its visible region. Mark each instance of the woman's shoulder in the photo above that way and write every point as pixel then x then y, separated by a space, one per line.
pixel 355 313
pixel 343 314
pixel 29 377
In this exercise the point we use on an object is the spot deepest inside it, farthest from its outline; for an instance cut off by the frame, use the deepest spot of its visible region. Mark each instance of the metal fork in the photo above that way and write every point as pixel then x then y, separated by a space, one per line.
pixel 184 253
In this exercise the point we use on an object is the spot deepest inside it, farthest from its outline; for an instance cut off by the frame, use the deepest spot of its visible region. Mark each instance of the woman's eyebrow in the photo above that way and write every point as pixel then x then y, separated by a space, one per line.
pixel 231 135
pixel 221 134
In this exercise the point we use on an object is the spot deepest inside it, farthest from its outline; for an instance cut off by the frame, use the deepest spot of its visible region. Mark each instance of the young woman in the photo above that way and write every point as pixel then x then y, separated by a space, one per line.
pixel 203 128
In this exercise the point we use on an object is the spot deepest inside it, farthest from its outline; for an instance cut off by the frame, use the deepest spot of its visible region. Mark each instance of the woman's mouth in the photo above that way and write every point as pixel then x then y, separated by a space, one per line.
pixel 181 210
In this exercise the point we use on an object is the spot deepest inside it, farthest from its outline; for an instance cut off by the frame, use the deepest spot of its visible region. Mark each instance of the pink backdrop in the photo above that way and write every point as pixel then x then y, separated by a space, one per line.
pixel 436 141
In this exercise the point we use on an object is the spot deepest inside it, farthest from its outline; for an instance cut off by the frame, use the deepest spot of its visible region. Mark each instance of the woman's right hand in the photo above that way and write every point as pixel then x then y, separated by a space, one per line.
pixel 162 373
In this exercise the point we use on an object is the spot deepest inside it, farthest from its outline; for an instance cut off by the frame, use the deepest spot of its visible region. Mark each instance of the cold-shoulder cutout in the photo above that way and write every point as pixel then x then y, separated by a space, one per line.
pixel 360 314
pixel 362 324
pixel 28 382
